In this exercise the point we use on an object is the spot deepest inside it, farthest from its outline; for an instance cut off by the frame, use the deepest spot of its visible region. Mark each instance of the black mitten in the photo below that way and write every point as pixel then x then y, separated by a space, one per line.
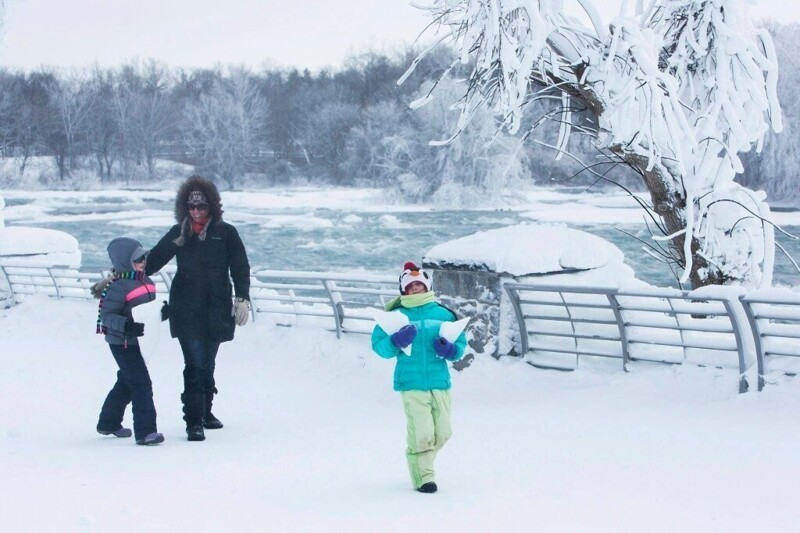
pixel 134 329
pixel 165 311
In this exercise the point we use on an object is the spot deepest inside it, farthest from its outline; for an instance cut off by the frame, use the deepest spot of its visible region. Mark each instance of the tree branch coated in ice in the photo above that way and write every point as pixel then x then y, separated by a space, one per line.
pixel 679 89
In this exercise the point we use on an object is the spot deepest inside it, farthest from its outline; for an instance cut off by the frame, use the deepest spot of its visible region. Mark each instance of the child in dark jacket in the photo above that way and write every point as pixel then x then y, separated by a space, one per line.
pixel 422 378
pixel 127 288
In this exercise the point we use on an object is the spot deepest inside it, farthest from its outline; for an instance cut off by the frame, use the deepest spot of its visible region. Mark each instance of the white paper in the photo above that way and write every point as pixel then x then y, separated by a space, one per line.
pixel 451 330
pixel 391 322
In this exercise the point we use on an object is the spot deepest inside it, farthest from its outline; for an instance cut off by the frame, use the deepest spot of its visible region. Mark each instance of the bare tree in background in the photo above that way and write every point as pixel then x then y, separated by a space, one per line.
pixel 154 112
pixel 72 103
pixel 327 127
pixel 101 128
pixel 225 130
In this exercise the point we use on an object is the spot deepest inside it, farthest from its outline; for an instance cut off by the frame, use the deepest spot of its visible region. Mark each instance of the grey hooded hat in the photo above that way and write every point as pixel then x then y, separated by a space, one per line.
pixel 123 251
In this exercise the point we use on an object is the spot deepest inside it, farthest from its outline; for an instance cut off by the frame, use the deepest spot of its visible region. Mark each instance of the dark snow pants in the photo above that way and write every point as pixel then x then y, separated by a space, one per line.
pixel 199 359
pixel 133 386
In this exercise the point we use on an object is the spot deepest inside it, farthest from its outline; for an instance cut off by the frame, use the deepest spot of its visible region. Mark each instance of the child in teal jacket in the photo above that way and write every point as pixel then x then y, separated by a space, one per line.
pixel 423 377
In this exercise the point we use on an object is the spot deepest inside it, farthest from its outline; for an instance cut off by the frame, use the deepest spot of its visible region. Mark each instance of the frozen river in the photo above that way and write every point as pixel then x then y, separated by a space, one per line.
pixel 347 230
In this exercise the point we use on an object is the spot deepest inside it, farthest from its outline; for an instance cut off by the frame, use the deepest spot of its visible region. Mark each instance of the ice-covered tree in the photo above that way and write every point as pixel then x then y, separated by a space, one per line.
pixel 2 201
pixel 775 168
pixel 478 166
pixel 225 129
pixel 679 89
pixel 72 101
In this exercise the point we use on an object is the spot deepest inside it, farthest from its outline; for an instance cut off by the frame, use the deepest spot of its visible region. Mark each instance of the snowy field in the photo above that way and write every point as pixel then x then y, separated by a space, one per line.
pixel 314 441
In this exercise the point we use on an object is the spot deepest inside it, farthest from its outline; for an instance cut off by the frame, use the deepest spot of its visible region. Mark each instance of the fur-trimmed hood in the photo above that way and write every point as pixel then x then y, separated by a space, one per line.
pixel 198 183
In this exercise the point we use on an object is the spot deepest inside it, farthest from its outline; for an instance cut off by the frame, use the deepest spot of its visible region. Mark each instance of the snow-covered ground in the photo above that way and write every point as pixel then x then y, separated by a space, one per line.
pixel 314 441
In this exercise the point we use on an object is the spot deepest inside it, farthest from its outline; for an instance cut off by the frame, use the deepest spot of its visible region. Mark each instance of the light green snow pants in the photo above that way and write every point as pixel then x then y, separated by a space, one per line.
pixel 428 424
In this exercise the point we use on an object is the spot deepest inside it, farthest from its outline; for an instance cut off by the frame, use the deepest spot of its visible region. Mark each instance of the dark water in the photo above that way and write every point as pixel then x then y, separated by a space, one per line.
pixel 368 242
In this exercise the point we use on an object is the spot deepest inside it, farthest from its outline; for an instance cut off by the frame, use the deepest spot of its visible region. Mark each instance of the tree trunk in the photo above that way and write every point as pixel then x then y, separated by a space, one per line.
pixel 668 202
pixel 670 205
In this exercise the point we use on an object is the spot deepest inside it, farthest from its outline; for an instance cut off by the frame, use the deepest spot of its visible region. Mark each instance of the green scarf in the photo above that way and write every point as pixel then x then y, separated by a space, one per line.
pixel 410 300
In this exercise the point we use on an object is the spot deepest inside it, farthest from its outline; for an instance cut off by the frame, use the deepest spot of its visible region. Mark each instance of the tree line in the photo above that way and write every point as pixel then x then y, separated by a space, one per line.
pixel 353 126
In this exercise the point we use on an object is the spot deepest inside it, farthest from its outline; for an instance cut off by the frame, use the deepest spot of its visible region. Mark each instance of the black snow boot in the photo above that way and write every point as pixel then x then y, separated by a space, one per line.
pixel 195 433
pixel 428 488
pixel 209 420
pixel 193 411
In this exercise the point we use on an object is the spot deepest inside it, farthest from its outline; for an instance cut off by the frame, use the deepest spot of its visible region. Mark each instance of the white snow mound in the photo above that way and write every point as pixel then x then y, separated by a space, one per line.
pixel 527 249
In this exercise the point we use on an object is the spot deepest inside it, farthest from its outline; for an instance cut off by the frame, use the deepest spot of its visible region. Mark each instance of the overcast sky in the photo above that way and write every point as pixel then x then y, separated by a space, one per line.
pixel 199 33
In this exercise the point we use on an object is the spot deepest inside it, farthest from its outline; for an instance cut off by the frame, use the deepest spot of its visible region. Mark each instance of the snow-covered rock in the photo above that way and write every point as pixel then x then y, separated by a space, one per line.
pixel 527 249
pixel 33 247
pixel 38 247
pixel 469 273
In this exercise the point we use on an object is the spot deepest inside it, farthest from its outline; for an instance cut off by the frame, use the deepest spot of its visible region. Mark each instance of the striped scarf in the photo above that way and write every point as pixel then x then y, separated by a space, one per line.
pixel 115 276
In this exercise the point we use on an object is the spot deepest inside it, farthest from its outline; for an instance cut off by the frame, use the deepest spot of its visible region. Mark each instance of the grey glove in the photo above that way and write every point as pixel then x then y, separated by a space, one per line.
pixel 240 311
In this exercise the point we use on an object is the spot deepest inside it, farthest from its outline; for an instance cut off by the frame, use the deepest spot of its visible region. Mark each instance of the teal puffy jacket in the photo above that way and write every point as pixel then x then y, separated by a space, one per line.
pixel 423 369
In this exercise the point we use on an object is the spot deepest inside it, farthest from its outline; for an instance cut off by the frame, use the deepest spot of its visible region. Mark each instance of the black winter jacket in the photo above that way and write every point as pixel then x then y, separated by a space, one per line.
pixel 200 297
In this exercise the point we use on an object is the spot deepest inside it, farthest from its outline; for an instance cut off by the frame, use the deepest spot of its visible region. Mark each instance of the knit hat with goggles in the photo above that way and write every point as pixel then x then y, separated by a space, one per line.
pixel 412 273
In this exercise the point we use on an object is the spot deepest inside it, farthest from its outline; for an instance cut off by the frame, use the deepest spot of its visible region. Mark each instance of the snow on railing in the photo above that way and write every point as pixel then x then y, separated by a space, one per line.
pixel 62 281
pixel 310 297
pixel 340 302
pixel 59 281
pixel 774 317
pixel 559 324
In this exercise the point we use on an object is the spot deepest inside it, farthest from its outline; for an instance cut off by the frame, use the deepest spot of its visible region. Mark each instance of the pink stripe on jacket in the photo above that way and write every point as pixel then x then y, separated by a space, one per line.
pixel 140 291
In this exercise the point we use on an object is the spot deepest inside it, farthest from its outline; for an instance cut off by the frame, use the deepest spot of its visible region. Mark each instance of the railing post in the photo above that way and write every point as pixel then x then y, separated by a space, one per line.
pixel 55 282
pixel 513 297
pixel 165 278
pixel 743 385
pixel 751 318
pixel 572 326
pixel 330 288
pixel 623 335
pixel 11 294
pixel 680 327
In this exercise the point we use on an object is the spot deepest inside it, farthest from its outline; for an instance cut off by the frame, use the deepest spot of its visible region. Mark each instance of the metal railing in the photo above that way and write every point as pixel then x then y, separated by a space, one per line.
pixel 63 281
pixel 338 302
pixel 345 300
pixel 559 324
pixel 59 281
pixel 775 322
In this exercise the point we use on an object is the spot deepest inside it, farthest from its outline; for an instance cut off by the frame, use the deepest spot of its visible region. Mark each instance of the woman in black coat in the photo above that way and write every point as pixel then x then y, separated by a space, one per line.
pixel 202 312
